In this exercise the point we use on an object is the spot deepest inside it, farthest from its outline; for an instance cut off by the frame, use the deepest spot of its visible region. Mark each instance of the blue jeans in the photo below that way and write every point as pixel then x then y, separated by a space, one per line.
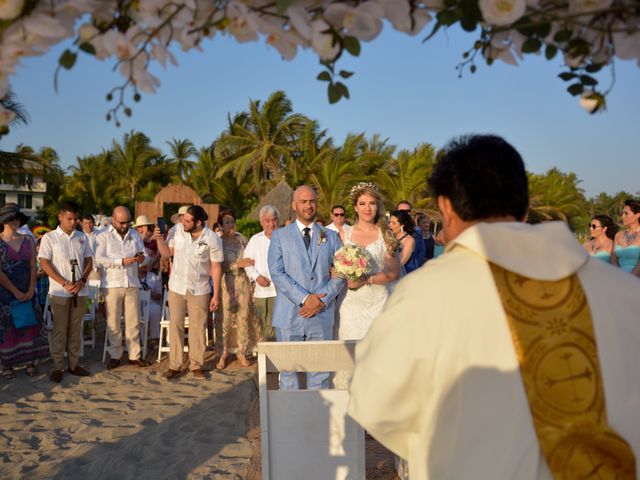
pixel 307 330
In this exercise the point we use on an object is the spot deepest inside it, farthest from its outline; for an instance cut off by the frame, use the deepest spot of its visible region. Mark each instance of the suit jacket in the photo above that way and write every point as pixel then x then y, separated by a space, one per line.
pixel 297 272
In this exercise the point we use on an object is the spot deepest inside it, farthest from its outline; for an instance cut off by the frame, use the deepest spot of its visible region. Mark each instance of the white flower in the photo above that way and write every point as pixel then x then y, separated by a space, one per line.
pixel 322 42
pixel 584 6
pixel 627 45
pixel 363 22
pixel 400 16
pixel 118 44
pixel 10 9
pixel 502 12
pixel 591 102
pixel 301 21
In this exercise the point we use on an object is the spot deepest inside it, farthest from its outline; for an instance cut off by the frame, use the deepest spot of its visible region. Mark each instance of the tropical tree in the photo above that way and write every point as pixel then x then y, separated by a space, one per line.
pixel 181 152
pixel 312 148
pixel 137 162
pixel 405 177
pixel 556 196
pixel 93 182
pixel 260 142
pixel 14 109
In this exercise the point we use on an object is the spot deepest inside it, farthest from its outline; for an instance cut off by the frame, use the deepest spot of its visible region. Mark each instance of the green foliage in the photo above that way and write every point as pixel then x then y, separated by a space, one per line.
pixel 247 227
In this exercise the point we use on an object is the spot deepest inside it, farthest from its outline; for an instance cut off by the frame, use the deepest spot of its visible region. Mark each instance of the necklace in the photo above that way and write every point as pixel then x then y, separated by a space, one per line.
pixel 629 237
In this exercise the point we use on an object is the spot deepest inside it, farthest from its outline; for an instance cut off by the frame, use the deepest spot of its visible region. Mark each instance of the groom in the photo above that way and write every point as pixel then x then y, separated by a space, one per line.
pixel 300 259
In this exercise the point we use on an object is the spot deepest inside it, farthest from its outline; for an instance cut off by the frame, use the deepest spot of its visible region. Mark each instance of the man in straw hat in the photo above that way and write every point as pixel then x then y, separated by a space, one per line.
pixel 524 364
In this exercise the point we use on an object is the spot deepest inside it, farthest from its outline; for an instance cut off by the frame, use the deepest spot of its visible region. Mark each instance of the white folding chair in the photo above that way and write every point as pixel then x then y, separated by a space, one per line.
pixel 144 297
pixel 163 341
pixel 307 433
pixel 89 319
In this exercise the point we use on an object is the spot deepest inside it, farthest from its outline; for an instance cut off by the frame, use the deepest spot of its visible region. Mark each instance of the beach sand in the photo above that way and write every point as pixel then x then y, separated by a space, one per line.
pixel 127 423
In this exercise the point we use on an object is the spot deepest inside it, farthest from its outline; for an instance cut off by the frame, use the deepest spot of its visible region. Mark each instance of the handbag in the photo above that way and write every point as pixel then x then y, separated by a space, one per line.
pixel 22 314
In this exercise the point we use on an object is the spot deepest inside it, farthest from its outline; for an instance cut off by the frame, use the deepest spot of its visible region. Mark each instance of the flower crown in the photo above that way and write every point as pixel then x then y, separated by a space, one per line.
pixel 361 186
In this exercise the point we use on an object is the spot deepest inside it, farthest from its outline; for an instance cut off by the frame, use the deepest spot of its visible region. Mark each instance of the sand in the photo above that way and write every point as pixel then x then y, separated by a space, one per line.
pixel 127 423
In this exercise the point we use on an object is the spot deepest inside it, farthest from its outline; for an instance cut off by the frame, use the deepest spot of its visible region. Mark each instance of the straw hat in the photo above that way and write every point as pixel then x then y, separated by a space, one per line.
pixel 175 218
pixel 11 211
pixel 141 221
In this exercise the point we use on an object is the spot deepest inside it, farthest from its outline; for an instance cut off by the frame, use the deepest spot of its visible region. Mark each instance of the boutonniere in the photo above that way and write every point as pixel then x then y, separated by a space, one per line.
pixel 323 237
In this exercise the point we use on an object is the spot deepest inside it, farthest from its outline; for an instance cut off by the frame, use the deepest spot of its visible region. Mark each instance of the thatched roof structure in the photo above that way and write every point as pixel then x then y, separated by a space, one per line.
pixel 280 197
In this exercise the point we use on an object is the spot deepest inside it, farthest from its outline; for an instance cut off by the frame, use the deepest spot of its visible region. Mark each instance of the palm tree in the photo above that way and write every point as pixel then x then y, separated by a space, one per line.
pixel 10 103
pixel 555 196
pixel 181 152
pixel 405 177
pixel 136 162
pixel 260 141
pixel 93 182
pixel 312 149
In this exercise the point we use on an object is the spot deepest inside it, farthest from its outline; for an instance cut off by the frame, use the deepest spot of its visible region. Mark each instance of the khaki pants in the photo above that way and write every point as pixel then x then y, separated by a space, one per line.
pixel 115 300
pixel 265 313
pixel 197 308
pixel 67 330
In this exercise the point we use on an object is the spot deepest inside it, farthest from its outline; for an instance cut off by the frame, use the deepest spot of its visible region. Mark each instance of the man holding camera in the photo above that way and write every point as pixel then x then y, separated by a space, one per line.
pixel 119 251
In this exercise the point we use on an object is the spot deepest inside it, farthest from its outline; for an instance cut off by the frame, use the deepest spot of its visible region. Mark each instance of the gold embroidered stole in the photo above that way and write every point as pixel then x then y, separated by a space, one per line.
pixel 553 335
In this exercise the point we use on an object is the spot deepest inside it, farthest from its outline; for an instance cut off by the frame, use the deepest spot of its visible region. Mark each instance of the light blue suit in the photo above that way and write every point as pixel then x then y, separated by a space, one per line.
pixel 296 272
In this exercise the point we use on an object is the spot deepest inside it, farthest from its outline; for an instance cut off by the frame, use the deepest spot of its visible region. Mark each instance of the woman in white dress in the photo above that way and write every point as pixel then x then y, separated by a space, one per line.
pixel 366 297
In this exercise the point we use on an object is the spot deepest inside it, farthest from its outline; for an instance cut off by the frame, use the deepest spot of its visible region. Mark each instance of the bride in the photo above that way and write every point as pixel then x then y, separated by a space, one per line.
pixel 366 297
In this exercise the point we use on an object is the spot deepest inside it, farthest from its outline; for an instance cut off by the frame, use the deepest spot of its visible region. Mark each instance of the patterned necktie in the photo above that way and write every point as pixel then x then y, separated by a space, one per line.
pixel 306 237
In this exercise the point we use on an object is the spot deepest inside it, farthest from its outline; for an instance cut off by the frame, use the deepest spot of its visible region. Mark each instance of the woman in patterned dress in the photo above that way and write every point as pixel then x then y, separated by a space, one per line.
pixel 18 346
pixel 240 327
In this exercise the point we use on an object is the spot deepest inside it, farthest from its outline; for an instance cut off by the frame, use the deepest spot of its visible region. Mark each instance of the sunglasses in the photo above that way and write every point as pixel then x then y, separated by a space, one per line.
pixel 338 214
pixel 595 226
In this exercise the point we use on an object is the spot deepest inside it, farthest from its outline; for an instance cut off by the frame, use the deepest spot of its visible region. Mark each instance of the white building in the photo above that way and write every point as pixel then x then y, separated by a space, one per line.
pixel 24 186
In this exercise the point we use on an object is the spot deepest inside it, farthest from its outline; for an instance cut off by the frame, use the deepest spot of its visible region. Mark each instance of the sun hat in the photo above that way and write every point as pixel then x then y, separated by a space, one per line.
pixel 175 218
pixel 11 211
pixel 141 221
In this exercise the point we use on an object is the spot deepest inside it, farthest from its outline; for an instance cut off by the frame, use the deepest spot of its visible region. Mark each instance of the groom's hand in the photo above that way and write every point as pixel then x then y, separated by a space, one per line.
pixel 312 305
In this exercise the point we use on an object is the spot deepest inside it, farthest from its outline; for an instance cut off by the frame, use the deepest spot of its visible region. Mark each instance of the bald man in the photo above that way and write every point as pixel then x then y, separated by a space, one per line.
pixel 119 251
pixel 300 258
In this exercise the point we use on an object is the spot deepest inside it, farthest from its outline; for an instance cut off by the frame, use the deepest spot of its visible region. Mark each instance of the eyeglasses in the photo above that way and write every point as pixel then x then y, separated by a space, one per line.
pixel 595 226
pixel 338 214
pixel 126 222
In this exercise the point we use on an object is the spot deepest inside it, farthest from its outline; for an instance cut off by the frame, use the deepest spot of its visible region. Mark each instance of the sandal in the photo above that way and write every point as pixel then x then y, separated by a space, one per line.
pixel 32 370
pixel 8 373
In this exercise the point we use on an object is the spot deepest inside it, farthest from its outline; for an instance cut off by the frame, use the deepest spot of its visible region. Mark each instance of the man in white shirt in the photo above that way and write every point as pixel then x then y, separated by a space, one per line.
pixel 88 227
pixel 524 339
pixel 338 219
pixel 119 251
pixel 66 257
pixel 264 294
pixel 197 259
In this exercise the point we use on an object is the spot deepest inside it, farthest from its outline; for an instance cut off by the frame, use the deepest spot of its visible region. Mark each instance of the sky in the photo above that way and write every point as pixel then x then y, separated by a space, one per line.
pixel 405 90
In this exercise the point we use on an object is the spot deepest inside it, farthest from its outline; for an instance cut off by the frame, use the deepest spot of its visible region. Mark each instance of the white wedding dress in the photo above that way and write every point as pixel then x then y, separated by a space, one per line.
pixel 360 307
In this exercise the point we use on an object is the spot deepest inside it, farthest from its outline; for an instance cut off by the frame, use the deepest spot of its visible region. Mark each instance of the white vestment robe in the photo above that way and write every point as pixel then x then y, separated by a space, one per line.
pixel 437 380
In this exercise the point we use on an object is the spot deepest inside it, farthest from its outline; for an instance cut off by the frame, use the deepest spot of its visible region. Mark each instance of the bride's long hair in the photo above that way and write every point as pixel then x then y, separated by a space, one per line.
pixel 380 220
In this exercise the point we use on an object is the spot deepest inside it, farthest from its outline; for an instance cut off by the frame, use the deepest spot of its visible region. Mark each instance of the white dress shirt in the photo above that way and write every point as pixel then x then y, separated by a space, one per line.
pixel 191 268
pixel 332 226
pixel 258 250
pixel 302 226
pixel 60 248
pixel 111 249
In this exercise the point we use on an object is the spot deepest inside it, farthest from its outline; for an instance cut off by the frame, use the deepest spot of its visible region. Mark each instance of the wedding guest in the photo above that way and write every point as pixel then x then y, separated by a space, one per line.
pixel 25 345
pixel 338 219
pixel 424 222
pixel 89 229
pixel 626 253
pixel 145 229
pixel 419 253
pixel 264 293
pixel 240 327
pixel 66 257
pixel 526 343
pixel 402 226
pixel 197 260
pixel 150 281
pixel 119 252
pixel 42 282
pixel 603 231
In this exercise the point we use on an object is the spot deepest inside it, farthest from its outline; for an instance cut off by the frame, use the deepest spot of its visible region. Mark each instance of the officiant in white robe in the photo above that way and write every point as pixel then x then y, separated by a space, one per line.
pixel 437 379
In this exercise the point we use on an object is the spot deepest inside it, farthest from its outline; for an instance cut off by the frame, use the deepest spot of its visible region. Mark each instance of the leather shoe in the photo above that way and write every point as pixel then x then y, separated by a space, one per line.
pixel 169 374
pixel 139 362
pixel 80 372
pixel 113 363
pixel 199 374
pixel 56 376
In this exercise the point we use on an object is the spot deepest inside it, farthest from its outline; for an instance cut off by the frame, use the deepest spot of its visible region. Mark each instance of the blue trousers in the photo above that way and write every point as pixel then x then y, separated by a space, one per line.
pixel 306 330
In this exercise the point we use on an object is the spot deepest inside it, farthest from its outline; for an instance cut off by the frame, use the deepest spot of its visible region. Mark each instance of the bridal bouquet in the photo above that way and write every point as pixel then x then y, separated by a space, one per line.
pixel 352 262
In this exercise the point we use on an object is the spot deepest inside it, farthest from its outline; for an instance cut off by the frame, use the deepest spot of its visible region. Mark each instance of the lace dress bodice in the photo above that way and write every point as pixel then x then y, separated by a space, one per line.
pixel 360 307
